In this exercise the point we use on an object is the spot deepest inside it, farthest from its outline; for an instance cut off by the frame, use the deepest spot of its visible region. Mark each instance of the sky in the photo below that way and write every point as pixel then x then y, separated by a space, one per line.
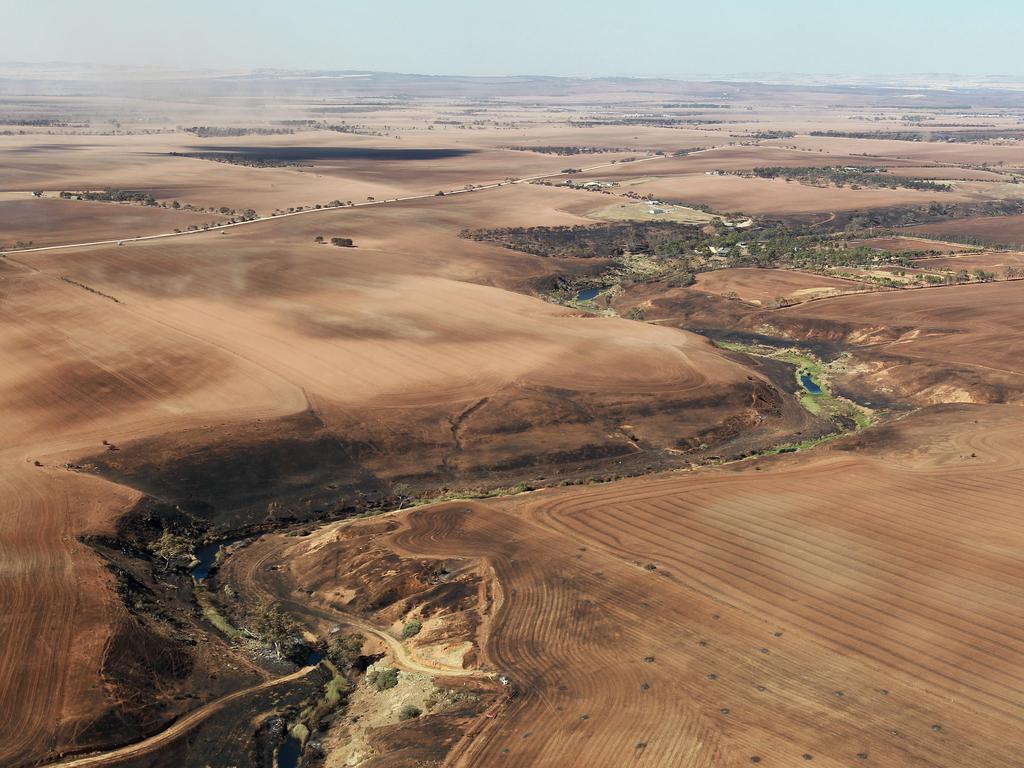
pixel 528 37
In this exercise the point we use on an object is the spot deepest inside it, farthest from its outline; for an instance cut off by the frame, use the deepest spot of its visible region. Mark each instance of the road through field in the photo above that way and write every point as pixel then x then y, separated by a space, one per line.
pixel 479 188
pixel 182 726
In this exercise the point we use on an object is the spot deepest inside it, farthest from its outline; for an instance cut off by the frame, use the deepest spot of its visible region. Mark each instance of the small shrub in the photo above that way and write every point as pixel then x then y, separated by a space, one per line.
pixel 409 712
pixel 335 690
pixel 412 628
pixel 386 678
pixel 299 732
pixel 342 242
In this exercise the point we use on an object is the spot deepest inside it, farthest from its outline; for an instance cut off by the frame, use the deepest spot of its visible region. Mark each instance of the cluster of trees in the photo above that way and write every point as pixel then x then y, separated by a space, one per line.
pixel 653 121
pixel 674 252
pixel 212 131
pixel 773 135
pixel 843 175
pixel 566 151
pixel 172 548
pixel 38 122
pixel 113 196
pixel 950 137
pixel 901 216
pixel 145 198
pixel 960 277
pixel 890 135
pixel 276 628
pixel 344 127
pixel 696 105
pixel 340 242
pixel 593 240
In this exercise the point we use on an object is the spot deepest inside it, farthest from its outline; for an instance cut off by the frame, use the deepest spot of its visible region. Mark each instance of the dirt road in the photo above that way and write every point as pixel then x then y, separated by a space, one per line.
pixel 182 726
pixel 493 185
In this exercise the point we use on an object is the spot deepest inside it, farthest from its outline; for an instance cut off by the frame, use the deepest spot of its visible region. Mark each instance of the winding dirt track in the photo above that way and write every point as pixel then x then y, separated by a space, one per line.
pixel 253 575
pixel 179 728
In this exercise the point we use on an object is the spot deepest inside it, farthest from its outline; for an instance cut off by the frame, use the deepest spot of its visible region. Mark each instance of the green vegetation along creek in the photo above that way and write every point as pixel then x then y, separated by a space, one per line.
pixel 812 376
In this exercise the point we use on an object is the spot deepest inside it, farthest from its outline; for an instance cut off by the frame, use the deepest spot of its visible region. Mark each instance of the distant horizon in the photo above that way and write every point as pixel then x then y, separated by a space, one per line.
pixel 744 76
pixel 571 38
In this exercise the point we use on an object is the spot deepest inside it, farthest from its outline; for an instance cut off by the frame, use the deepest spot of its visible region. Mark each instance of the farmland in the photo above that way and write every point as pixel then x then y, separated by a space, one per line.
pixel 527 473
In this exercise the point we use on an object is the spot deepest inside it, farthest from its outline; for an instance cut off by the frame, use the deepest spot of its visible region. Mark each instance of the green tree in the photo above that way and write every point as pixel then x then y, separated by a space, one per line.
pixel 272 625
pixel 171 547
pixel 345 650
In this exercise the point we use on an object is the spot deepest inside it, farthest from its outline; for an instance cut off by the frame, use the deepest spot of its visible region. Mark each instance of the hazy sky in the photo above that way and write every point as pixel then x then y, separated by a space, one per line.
pixel 501 37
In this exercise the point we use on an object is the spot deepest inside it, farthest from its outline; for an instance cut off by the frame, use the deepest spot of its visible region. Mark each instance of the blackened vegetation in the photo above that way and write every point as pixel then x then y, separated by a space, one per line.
pixel 759 135
pixel 566 151
pixel 269 474
pixel 679 120
pixel 269 157
pixel 85 287
pixel 949 137
pixel 151 669
pixel 36 122
pixel 239 735
pixel 681 250
pixel 855 176
pixel 213 131
pixel 143 666
pixel 586 241
pixel 765 402
pixel 897 216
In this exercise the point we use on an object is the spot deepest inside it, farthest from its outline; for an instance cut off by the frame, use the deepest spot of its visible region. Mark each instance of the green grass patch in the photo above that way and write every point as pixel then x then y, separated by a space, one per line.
pixel 216 618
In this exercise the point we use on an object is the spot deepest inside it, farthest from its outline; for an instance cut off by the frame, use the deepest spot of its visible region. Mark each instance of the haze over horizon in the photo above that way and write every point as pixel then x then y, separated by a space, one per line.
pixel 573 38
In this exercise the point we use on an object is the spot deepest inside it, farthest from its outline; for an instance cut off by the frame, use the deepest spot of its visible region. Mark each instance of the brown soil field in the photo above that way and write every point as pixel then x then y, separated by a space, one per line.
pixel 78 369
pixel 808 608
pixel 714 572
pixel 993 261
pixel 913 152
pixel 387 343
pixel 947 344
pixel 755 196
pixel 1007 230
pixel 49 221
pixel 763 286
pixel 742 158
pixel 951 173
pixel 381 171
pixel 918 346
